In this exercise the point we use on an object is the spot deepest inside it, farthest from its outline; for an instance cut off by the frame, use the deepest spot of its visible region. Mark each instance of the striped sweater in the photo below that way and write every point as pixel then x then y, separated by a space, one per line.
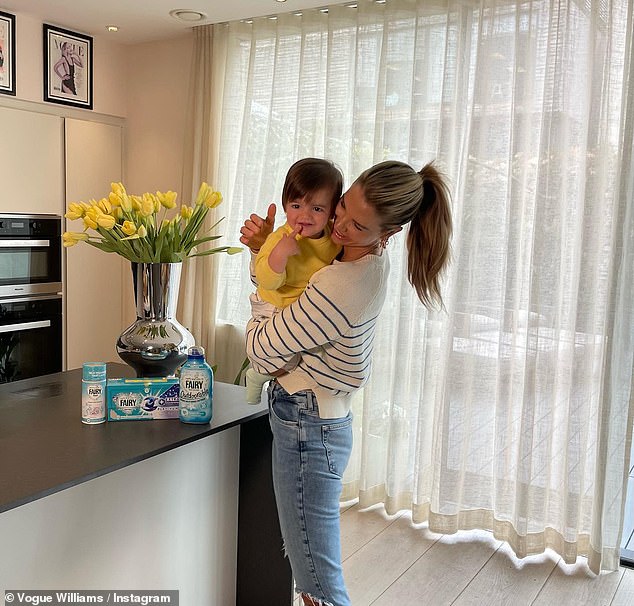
pixel 332 326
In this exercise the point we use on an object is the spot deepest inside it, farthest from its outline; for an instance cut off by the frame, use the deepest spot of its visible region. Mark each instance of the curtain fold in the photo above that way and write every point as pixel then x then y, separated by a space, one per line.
pixel 512 410
pixel 202 151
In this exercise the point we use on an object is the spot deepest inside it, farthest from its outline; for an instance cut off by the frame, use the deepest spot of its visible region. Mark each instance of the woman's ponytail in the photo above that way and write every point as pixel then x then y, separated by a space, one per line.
pixel 429 236
pixel 400 195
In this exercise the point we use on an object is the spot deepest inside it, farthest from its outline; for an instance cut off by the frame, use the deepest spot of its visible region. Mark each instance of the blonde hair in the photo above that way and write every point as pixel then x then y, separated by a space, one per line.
pixel 400 195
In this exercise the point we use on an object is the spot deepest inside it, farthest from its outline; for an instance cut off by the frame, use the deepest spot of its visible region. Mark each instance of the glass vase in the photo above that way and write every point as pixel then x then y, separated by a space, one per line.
pixel 156 344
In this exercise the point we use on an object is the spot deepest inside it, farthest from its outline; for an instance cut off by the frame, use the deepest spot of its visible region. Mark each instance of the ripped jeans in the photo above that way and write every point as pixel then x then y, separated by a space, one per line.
pixel 310 455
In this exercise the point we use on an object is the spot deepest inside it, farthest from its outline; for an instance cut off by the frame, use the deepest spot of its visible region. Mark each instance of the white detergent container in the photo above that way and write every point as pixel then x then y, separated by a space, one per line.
pixel 196 388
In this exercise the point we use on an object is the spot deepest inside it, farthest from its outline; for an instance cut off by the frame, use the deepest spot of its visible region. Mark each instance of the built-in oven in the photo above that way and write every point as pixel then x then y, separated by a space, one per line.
pixel 30 337
pixel 30 254
pixel 30 296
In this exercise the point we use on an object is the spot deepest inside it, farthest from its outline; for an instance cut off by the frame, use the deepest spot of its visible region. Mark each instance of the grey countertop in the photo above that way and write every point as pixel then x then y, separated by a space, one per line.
pixel 45 448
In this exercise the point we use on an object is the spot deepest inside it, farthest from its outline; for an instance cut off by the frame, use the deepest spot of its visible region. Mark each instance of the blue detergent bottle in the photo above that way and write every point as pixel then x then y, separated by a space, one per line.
pixel 196 388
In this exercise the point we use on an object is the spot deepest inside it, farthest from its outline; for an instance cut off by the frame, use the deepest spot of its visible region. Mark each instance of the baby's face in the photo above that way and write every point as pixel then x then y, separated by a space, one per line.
pixel 311 213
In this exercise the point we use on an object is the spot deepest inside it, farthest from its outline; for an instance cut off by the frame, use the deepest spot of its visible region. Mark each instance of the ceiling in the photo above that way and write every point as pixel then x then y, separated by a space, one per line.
pixel 146 20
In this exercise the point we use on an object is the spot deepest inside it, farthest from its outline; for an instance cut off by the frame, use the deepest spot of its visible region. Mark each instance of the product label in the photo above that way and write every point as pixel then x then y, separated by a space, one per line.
pixel 195 394
pixel 142 399
pixel 93 402
pixel 194 386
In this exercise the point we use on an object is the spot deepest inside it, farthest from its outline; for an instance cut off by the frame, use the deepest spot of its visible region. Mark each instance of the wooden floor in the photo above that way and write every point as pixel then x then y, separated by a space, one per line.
pixel 388 561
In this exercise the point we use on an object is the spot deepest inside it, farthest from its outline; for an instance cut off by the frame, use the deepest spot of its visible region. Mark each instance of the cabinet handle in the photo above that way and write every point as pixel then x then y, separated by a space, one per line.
pixel 25 326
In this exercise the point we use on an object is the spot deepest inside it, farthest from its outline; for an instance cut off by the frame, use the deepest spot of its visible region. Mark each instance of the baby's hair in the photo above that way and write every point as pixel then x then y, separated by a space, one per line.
pixel 311 175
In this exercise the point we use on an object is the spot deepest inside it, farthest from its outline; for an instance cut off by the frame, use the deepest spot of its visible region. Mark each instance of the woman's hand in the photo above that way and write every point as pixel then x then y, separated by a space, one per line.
pixel 256 229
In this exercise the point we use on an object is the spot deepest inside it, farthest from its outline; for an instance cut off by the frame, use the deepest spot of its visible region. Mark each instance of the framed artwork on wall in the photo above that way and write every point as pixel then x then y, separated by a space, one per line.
pixel 67 67
pixel 7 53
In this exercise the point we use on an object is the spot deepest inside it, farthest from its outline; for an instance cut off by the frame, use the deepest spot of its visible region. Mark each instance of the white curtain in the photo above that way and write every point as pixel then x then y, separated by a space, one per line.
pixel 511 411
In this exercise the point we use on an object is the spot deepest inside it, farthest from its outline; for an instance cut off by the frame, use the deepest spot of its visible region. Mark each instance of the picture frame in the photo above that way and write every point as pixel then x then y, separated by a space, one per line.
pixel 68 77
pixel 7 53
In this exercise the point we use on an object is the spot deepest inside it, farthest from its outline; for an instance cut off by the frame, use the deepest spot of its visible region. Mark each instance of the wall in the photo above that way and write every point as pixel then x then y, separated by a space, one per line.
pixel 157 87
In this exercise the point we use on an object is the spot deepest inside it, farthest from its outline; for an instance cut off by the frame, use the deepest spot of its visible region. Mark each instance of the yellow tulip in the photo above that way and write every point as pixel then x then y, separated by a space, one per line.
pixel 147 205
pixel 136 203
pixel 90 218
pixel 118 189
pixel 167 199
pixel 128 228
pixel 213 198
pixel 202 193
pixel 186 212
pixel 105 221
pixel 71 238
pixel 142 232
pixel 75 211
pixel 105 206
pixel 114 199
pixel 126 203
pixel 117 213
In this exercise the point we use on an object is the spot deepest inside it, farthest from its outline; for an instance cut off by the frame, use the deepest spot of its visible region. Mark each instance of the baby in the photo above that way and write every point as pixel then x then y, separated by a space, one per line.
pixel 295 251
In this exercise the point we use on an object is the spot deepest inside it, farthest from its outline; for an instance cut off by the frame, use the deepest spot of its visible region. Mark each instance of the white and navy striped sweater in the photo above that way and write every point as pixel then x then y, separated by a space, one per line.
pixel 332 326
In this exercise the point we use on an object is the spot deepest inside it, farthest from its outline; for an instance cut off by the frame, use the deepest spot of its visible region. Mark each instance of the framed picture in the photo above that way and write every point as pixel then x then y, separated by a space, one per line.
pixel 7 53
pixel 67 67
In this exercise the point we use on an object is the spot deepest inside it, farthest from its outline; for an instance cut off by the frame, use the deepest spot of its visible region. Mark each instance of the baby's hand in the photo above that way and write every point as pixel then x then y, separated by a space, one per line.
pixel 285 248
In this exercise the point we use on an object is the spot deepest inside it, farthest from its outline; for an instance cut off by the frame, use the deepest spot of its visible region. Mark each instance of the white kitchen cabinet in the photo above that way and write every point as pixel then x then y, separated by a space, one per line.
pixel 95 282
pixel 31 162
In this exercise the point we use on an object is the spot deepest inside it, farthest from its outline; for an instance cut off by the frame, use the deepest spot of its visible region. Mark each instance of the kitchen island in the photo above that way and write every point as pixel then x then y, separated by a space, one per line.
pixel 138 504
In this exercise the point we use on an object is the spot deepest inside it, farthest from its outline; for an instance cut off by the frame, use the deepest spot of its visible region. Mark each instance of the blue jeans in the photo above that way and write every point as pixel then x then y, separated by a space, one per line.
pixel 310 455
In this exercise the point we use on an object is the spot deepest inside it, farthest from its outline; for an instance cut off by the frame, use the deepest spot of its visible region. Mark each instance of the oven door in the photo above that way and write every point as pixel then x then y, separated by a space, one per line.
pixel 30 337
pixel 30 256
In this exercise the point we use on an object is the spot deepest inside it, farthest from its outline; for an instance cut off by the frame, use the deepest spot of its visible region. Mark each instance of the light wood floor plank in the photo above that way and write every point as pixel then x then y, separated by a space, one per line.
pixel 575 585
pixel 625 592
pixel 374 567
pixel 441 574
pixel 359 527
pixel 507 580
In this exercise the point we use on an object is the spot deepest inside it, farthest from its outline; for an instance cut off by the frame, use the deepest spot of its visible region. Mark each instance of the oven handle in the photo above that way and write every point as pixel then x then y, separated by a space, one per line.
pixel 24 243
pixel 25 326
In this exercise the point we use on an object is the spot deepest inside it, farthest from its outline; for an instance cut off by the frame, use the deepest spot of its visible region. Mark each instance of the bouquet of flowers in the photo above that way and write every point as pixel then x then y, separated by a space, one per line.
pixel 130 226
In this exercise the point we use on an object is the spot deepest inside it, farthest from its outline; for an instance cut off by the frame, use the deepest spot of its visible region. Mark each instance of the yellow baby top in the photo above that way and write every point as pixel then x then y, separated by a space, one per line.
pixel 285 288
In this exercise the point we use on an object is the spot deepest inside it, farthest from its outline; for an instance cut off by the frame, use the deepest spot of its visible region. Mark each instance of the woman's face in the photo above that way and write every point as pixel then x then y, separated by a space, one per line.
pixel 357 227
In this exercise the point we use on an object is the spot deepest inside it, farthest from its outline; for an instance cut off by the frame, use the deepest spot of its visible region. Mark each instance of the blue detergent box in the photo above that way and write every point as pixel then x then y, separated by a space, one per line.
pixel 142 399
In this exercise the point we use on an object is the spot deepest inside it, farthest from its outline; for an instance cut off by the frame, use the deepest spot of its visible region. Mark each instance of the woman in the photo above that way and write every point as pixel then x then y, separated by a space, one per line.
pixel 332 327
pixel 65 68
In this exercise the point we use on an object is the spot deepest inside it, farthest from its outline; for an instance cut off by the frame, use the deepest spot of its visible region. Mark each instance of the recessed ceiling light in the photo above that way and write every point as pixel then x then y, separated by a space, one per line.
pixel 112 28
pixel 187 15
pixel 281 0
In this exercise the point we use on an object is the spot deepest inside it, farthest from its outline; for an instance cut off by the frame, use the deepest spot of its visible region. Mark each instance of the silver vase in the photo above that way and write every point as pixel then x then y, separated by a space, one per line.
pixel 156 344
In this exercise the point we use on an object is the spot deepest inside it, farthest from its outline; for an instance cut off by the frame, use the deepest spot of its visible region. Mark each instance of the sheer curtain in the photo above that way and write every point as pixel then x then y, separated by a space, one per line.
pixel 511 410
